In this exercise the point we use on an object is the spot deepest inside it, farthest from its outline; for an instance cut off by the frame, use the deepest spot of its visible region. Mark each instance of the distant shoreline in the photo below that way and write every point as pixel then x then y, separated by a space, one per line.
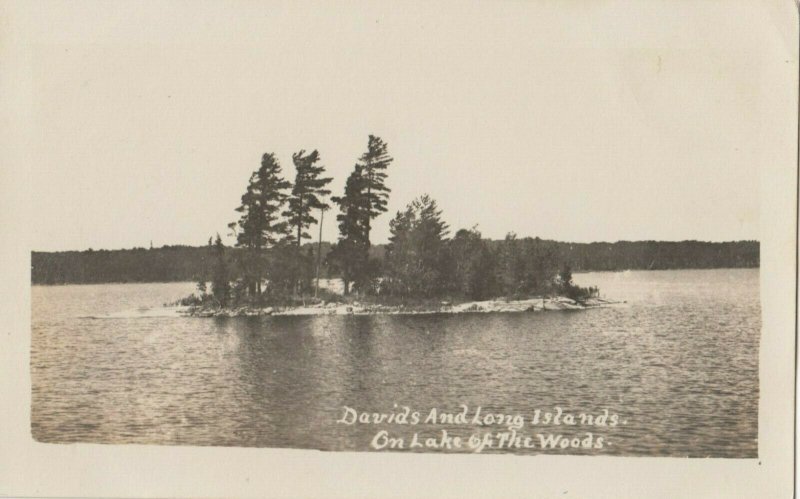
pixel 183 263
pixel 188 281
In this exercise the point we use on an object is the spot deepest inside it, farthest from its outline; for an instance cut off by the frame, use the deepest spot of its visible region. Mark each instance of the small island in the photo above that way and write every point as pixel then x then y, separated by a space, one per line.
pixel 358 308
pixel 272 270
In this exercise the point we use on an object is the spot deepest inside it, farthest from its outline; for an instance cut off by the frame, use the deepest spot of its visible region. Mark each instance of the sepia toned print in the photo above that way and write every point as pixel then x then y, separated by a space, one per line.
pixel 429 249
pixel 388 238
pixel 431 342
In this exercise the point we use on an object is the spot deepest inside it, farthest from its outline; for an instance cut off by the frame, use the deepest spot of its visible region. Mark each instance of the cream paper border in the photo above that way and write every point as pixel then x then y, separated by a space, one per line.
pixel 28 468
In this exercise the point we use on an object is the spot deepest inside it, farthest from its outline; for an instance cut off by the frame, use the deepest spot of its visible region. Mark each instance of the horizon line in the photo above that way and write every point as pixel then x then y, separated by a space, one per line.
pixel 179 245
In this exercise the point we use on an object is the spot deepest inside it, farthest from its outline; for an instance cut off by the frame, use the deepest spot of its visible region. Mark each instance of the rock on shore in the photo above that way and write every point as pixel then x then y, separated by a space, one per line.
pixel 356 308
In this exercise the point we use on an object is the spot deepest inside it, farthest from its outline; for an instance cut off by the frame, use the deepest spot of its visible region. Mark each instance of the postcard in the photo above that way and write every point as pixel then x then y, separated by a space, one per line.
pixel 409 249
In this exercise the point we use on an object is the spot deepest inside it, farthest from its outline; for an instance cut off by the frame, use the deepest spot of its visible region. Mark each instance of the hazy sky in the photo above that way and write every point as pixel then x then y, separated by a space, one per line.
pixel 567 120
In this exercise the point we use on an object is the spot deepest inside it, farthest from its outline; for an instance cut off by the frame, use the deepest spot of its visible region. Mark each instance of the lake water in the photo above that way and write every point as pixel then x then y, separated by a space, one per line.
pixel 677 364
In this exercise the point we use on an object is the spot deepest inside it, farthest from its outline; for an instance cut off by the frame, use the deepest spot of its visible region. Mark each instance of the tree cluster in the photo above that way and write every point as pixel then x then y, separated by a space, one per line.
pixel 422 262
pixel 273 262
pixel 275 215
pixel 365 198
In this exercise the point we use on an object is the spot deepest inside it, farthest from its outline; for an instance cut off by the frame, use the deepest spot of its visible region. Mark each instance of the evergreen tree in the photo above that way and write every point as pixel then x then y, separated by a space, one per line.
pixel 351 252
pixel 373 164
pixel 283 263
pixel 543 266
pixel 401 264
pixel 365 198
pixel 472 265
pixel 308 194
pixel 260 225
pixel 202 288
pixel 416 255
pixel 220 280
pixel 513 267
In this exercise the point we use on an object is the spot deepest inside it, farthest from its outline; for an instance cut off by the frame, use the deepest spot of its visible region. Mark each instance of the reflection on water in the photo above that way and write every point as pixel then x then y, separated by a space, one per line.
pixel 678 362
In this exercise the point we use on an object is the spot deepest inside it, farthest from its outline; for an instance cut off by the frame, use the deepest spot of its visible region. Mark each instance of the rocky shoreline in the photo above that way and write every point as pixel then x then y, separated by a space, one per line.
pixel 356 308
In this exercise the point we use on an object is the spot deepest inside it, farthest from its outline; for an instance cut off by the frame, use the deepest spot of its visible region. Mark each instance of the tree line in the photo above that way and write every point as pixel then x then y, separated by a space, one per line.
pixel 179 263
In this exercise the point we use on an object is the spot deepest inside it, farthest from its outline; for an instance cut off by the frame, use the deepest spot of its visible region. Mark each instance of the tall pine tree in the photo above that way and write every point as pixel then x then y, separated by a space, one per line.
pixel 308 194
pixel 260 225
pixel 373 165
pixel 351 252
pixel 365 198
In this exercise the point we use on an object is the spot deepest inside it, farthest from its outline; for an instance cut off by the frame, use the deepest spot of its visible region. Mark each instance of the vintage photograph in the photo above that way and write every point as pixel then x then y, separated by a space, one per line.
pixel 455 229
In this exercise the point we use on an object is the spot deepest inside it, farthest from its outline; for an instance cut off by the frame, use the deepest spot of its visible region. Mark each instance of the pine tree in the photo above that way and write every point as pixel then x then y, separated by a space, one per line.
pixel 308 194
pixel 513 267
pixel 416 255
pixel 401 266
pixel 365 198
pixel 220 280
pixel 260 225
pixel 373 164
pixel 351 252
pixel 543 265
pixel 202 288
pixel 472 265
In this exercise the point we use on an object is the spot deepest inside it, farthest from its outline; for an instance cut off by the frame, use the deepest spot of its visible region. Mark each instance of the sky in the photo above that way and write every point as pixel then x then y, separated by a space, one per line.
pixel 564 120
